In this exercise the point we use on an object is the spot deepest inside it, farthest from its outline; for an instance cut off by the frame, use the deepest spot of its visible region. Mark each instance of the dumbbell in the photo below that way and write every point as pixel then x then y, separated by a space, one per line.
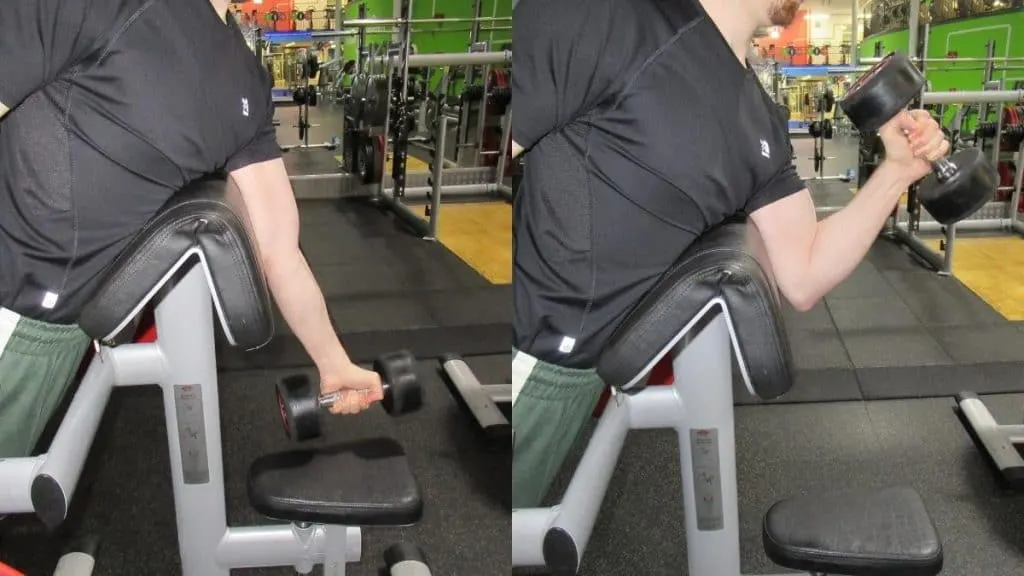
pixel 301 407
pixel 958 185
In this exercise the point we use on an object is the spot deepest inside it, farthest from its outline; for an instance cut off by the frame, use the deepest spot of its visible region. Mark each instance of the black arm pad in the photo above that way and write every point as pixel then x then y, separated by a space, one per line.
pixel 208 218
pixel 723 263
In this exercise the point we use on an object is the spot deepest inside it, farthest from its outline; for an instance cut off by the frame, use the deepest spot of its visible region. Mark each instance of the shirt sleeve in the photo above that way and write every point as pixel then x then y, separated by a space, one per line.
pixel 785 182
pixel 263 146
pixel 566 62
pixel 42 39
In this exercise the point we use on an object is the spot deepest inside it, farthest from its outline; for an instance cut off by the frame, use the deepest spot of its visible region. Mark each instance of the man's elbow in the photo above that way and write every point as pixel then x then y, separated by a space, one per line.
pixel 801 293
pixel 803 301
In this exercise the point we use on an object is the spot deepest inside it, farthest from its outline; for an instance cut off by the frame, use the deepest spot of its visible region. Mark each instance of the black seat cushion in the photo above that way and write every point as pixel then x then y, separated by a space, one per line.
pixel 724 262
pixel 868 533
pixel 207 216
pixel 365 483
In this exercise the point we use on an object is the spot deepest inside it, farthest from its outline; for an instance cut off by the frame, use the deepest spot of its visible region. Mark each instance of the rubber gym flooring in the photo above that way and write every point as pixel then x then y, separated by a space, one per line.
pixel 386 290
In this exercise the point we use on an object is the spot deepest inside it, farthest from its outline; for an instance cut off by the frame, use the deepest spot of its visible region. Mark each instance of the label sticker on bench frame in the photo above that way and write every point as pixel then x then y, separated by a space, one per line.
pixel 188 405
pixel 707 479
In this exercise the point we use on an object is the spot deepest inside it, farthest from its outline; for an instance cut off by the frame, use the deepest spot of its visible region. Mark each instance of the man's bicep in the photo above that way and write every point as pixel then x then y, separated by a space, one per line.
pixel 270 205
pixel 787 227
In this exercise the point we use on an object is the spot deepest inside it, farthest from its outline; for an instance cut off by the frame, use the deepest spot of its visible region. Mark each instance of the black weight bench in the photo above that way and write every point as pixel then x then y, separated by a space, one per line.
pixel 715 300
pixel 195 261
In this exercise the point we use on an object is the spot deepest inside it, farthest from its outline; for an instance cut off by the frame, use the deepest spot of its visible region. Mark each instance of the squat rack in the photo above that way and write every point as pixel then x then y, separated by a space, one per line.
pixel 471 181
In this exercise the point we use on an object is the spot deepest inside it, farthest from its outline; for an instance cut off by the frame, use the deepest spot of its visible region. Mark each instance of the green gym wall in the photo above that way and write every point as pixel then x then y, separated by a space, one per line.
pixel 967 38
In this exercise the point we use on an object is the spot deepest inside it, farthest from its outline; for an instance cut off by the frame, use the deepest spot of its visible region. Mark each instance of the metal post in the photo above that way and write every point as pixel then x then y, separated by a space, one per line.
pixel 1018 178
pixel 474 30
pixel 437 177
pixel 387 121
pixel 362 39
pixel 947 257
pixel 853 33
pixel 973 96
pixel 924 46
pixel 989 72
pixel 184 320
pixel 481 117
pixel 460 59
pixel 912 27
pixel 506 129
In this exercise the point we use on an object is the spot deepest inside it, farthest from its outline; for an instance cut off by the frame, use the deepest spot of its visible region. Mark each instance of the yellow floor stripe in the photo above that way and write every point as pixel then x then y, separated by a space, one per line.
pixel 992 269
pixel 481 235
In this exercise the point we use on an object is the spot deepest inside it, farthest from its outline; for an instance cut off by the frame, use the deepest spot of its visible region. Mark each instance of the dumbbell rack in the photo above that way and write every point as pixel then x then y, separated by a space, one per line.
pixel 822 133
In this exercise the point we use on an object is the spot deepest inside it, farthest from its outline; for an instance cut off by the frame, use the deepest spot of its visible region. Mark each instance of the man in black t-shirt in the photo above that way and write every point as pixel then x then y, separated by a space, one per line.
pixel 644 127
pixel 107 108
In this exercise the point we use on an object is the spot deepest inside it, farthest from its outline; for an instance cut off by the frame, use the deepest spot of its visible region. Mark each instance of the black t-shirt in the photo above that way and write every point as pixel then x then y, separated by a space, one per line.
pixel 643 130
pixel 116 105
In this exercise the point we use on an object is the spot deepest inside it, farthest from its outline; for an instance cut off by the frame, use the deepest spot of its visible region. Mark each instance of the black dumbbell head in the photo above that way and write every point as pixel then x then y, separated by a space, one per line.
pixel 402 393
pixel 882 92
pixel 969 188
pixel 300 410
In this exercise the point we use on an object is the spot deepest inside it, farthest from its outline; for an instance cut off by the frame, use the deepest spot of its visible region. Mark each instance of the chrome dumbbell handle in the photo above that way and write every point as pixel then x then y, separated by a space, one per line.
pixel 328 400
pixel 944 169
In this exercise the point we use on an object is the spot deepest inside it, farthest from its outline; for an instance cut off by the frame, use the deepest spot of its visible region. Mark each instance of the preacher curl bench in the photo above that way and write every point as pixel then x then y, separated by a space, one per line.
pixel 715 297
pixel 195 257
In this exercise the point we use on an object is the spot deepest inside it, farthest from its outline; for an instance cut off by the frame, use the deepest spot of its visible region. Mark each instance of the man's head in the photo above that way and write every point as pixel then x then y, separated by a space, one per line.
pixel 782 12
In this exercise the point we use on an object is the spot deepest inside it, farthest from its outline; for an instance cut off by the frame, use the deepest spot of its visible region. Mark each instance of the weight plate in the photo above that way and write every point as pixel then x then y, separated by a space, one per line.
pixel 364 159
pixel 971 187
pixel 357 93
pixel 298 407
pixel 882 92
pixel 398 372
pixel 376 99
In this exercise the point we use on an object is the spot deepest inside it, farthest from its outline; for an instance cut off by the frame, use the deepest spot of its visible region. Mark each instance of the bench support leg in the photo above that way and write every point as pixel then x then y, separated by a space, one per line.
pixel 707 450
pixel 184 323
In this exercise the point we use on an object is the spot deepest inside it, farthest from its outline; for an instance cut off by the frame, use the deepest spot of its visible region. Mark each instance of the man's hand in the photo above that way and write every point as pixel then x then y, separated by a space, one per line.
pixel 516 148
pixel 913 140
pixel 3 110
pixel 360 388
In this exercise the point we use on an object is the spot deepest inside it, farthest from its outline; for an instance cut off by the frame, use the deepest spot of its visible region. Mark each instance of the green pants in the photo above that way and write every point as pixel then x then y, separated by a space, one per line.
pixel 551 408
pixel 37 363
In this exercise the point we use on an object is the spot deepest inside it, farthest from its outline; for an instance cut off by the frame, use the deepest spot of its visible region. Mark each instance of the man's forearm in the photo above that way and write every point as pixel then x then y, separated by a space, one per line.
pixel 301 302
pixel 3 110
pixel 516 149
pixel 844 238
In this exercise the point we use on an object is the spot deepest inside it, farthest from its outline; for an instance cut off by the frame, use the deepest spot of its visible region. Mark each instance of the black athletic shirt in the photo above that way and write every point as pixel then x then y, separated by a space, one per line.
pixel 116 104
pixel 643 130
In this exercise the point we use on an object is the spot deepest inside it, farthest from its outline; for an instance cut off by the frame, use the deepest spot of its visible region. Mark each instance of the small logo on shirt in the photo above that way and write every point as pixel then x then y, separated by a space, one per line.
pixel 765 150
pixel 567 345
pixel 245 108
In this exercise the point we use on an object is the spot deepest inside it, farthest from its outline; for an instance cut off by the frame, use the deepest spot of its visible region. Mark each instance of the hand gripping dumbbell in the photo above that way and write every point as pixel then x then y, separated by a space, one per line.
pixel 959 185
pixel 301 407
